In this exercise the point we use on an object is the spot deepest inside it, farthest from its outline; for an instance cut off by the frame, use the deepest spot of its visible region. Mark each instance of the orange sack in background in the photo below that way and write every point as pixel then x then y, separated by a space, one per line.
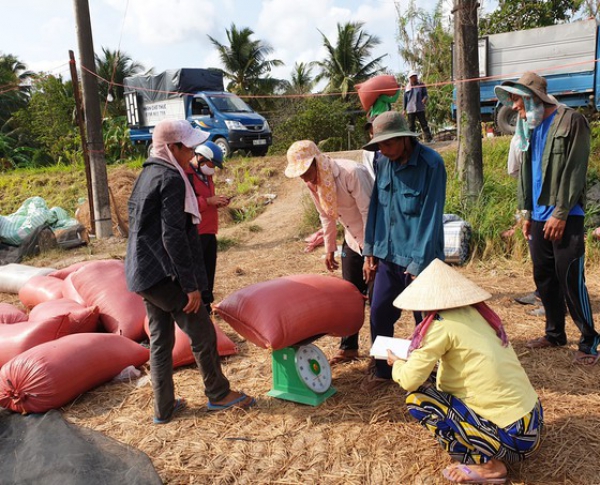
pixel 370 90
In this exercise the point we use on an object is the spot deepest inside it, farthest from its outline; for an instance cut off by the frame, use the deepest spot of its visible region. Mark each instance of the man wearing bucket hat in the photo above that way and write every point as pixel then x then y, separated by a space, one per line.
pixel 200 172
pixel 479 405
pixel 404 231
pixel 164 266
pixel 555 141
pixel 415 99
pixel 341 190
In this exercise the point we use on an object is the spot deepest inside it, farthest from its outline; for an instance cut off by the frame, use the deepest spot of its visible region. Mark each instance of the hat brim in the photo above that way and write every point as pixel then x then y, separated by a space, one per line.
pixel 194 138
pixel 373 145
pixel 298 168
pixel 520 90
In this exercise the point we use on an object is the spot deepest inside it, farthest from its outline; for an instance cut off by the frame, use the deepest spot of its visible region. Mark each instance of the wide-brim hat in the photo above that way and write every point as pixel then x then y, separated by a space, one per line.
pixel 178 131
pixel 528 84
pixel 300 156
pixel 439 287
pixel 386 126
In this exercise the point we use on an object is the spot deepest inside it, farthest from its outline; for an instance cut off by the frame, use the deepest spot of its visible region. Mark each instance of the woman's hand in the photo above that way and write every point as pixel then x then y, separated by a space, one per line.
pixel 391 357
pixel 218 200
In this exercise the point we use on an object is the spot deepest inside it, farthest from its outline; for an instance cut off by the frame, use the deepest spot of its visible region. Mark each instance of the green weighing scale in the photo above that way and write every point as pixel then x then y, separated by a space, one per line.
pixel 301 373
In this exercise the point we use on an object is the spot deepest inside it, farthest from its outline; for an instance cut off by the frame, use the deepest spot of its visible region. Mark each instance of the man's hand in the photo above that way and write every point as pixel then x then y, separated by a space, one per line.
pixel 554 229
pixel 193 304
pixel 369 269
pixel 218 200
pixel 330 261
pixel 526 230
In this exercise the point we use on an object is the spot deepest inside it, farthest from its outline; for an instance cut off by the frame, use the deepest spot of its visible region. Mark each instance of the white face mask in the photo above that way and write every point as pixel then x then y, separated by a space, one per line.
pixel 206 170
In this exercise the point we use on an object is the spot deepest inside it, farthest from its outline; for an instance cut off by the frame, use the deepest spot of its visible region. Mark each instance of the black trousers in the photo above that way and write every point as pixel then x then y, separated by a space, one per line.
pixel 209 253
pixel 352 271
pixel 164 304
pixel 558 271
pixel 412 123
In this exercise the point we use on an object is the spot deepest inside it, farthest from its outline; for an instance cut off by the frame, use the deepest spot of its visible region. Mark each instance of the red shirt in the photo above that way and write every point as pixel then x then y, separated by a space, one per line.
pixel 204 188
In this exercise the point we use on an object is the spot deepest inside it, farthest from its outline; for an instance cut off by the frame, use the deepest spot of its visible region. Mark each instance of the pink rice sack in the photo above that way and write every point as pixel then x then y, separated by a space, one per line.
pixel 19 337
pixel 370 90
pixel 102 284
pixel 282 312
pixel 53 374
pixel 182 350
pixel 11 314
pixel 63 273
pixel 82 319
pixel 39 289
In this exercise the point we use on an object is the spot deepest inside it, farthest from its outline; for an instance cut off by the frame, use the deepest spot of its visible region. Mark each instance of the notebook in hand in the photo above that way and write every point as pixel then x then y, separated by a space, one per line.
pixel 398 346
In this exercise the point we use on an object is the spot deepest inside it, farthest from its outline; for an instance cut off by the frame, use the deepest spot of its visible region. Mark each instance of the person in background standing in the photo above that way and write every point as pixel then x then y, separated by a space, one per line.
pixel 415 99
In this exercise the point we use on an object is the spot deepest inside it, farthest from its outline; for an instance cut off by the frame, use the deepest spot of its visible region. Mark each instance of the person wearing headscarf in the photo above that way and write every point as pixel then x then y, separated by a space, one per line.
pixel 479 405
pixel 555 142
pixel 341 190
pixel 164 266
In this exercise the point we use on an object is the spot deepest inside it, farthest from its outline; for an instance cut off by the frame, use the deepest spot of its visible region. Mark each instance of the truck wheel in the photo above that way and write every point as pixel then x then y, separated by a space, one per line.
pixel 224 146
pixel 259 152
pixel 506 120
pixel 149 150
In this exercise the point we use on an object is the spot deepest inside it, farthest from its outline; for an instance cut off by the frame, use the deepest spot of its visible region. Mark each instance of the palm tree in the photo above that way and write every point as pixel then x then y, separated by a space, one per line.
pixel 302 80
pixel 245 62
pixel 115 66
pixel 14 92
pixel 348 62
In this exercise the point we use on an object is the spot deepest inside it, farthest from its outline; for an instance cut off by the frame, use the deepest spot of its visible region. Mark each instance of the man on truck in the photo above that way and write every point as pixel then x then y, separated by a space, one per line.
pixel 555 141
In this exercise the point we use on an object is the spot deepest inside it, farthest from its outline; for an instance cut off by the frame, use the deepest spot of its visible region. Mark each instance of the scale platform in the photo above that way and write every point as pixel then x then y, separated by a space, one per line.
pixel 301 374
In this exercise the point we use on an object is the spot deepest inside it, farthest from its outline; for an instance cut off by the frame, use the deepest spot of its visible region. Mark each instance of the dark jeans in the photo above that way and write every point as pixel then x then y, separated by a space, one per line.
pixel 209 253
pixel 352 271
pixel 558 271
pixel 164 303
pixel 390 281
pixel 412 124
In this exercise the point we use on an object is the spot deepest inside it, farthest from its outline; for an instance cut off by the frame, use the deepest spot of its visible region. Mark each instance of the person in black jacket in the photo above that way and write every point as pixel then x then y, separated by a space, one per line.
pixel 164 265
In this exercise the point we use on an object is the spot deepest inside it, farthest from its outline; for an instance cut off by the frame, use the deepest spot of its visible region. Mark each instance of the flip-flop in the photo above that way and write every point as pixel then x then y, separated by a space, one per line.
pixel 341 358
pixel 232 404
pixel 586 359
pixel 180 405
pixel 474 477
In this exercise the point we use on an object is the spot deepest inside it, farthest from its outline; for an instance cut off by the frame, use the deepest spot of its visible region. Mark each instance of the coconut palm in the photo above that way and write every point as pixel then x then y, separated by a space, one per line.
pixel 113 67
pixel 245 62
pixel 302 80
pixel 349 61
pixel 14 90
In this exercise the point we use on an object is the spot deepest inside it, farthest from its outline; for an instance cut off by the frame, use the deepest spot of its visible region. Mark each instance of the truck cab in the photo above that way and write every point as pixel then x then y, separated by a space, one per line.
pixel 230 122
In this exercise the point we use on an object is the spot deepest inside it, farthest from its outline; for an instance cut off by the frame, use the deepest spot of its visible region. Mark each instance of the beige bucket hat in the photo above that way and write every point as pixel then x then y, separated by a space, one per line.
pixel 300 156
pixel 439 287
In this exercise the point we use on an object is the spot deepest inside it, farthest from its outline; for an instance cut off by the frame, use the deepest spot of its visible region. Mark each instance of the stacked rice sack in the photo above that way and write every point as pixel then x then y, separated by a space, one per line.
pixel 82 330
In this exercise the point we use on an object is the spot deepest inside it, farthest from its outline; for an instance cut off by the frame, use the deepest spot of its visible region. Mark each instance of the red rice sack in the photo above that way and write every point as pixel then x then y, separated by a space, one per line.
pixel 282 312
pixel 53 374
pixel 70 292
pixel 182 350
pixel 370 90
pixel 102 284
pixel 39 289
pixel 23 336
pixel 11 314
pixel 82 319
pixel 63 273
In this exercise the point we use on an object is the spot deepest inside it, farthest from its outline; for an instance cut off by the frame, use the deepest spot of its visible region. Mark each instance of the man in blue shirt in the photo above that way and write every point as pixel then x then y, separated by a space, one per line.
pixel 404 231
pixel 415 99
pixel 555 141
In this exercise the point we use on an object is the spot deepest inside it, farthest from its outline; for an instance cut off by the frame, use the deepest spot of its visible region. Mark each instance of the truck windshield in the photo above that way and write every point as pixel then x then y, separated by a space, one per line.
pixel 229 104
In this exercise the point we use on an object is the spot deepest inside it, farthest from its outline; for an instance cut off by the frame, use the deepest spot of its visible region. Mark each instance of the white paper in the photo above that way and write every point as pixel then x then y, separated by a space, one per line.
pixel 398 346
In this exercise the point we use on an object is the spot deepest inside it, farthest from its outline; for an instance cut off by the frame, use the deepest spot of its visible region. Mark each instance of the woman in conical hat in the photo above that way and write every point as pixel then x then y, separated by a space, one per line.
pixel 480 405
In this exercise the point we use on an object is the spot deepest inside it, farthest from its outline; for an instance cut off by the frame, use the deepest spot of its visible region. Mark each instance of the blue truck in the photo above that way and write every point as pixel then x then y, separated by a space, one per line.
pixel 565 54
pixel 196 95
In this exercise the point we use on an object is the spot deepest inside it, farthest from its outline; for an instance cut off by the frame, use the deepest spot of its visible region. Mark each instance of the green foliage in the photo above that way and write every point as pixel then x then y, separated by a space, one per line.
pixel 425 41
pixel 14 94
pixel 310 217
pixel 527 14
pixel 224 243
pixel 50 119
pixel 117 144
pixel 349 61
pixel 318 119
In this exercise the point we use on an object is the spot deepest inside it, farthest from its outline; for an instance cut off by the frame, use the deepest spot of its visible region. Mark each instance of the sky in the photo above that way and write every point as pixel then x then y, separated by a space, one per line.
pixel 170 34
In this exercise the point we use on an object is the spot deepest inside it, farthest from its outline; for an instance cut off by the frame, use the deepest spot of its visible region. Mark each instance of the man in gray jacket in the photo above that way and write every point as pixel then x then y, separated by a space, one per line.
pixel 164 265
pixel 555 141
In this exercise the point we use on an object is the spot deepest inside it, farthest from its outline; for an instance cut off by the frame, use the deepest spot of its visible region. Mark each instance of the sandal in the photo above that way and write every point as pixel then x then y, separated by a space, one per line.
pixel 582 358
pixel 343 356
pixel 242 402
pixel 472 476
pixel 180 405
pixel 540 343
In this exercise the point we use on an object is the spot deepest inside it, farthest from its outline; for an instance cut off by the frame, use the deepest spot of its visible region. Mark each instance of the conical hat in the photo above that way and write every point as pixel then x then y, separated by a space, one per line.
pixel 440 287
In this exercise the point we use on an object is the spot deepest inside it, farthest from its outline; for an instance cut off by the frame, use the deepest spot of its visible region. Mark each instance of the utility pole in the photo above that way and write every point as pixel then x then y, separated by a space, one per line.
pixel 470 154
pixel 95 145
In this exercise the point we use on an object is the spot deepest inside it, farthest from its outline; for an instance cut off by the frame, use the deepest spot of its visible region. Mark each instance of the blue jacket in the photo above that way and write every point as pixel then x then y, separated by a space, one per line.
pixel 405 222
pixel 163 241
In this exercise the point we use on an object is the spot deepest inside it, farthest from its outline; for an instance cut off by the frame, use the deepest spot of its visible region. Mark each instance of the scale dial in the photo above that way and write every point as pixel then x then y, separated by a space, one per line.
pixel 313 368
